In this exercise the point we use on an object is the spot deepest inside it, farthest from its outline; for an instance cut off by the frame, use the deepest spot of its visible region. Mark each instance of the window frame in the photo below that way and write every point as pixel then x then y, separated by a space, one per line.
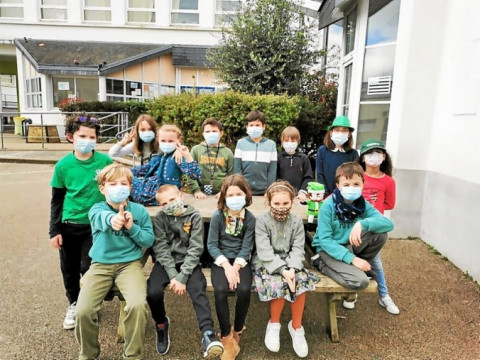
pixel 130 9
pixel 86 8
pixel 41 6
pixel 34 98
pixel 222 12
pixel 19 5
pixel 183 11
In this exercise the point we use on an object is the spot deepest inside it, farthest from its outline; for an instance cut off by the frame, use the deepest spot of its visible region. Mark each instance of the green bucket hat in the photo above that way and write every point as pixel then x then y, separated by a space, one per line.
pixel 372 144
pixel 341 121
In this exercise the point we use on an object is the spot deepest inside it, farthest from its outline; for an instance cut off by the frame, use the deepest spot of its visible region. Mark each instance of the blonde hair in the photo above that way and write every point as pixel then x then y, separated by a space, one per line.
pixel 292 133
pixel 171 128
pixel 280 186
pixel 113 172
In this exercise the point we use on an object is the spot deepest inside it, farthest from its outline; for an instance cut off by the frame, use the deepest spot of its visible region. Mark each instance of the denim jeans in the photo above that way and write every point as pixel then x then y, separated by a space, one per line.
pixel 377 268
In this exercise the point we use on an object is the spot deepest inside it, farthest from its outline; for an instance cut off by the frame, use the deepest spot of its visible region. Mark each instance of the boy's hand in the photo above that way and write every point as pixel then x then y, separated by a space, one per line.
pixel 200 195
pixel 128 220
pixel 57 241
pixel 289 276
pixel 355 237
pixel 177 287
pixel 119 220
pixel 361 264
pixel 184 151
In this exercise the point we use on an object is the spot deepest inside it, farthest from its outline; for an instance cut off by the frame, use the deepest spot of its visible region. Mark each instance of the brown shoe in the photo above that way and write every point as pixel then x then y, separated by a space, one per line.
pixel 230 348
pixel 237 334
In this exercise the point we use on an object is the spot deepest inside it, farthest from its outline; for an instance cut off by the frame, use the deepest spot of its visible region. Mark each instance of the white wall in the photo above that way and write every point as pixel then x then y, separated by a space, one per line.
pixel 434 125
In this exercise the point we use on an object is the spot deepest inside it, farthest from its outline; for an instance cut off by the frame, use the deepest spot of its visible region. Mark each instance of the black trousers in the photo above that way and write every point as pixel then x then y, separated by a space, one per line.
pixel 196 288
pixel 220 285
pixel 74 259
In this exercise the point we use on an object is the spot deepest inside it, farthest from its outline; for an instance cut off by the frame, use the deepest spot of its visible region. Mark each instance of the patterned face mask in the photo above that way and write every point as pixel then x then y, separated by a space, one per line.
pixel 174 208
pixel 280 213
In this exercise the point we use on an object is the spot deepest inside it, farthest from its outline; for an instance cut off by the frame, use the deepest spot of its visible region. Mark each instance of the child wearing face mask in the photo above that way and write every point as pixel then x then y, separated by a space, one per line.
pixel 214 158
pixel 278 263
pixel 139 142
pixel 120 230
pixel 74 191
pixel 336 150
pixel 292 165
pixel 230 243
pixel 255 156
pixel 163 168
pixel 178 245
pixel 379 191
pixel 350 231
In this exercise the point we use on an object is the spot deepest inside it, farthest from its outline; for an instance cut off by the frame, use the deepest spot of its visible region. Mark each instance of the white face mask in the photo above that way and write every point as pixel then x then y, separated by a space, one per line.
pixel 373 159
pixel 290 146
pixel 339 138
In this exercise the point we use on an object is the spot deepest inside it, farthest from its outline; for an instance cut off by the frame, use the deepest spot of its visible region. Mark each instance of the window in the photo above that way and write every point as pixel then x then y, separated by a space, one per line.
pixel 372 122
pixel 55 10
pixel 97 10
pixel 8 80
pixel 119 90
pixel 33 93
pixel 68 88
pixel 141 11
pixel 11 9
pixel 346 89
pixel 225 11
pixel 351 24
pixel 185 12
pixel 383 24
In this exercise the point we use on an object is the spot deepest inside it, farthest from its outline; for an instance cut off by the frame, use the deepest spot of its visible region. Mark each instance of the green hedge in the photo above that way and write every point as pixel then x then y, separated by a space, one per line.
pixel 188 111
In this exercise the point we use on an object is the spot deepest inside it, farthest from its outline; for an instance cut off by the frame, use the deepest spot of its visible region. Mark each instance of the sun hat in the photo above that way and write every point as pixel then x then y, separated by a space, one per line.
pixel 372 144
pixel 341 121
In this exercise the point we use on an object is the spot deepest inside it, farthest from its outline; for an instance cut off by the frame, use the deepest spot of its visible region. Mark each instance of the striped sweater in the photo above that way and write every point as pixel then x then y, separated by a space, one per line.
pixel 257 162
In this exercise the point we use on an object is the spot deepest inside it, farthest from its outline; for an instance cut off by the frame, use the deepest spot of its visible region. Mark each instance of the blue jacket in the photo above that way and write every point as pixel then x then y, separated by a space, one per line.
pixel 327 163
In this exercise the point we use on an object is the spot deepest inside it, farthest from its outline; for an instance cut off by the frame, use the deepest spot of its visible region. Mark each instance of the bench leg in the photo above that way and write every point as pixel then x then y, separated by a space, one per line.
pixel 332 326
pixel 121 326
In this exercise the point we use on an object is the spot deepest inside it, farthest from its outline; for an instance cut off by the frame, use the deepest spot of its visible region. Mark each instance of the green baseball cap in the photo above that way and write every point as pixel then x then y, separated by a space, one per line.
pixel 341 121
pixel 372 144
pixel 315 186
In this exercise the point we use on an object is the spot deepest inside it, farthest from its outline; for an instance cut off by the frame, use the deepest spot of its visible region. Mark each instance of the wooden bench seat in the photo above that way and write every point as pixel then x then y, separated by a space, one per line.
pixel 330 289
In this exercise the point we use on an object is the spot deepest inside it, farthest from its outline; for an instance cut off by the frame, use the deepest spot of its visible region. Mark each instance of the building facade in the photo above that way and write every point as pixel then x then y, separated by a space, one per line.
pixel 409 76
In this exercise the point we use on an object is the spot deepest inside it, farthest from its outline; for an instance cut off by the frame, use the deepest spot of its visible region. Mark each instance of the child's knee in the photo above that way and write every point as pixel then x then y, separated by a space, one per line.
pixel 155 293
pixel 358 283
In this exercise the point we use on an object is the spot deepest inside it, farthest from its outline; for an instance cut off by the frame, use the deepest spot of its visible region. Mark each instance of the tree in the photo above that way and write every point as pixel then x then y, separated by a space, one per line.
pixel 267 49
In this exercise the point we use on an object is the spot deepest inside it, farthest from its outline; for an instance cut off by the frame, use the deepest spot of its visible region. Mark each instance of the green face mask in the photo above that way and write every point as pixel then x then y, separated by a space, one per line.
pixel 175 208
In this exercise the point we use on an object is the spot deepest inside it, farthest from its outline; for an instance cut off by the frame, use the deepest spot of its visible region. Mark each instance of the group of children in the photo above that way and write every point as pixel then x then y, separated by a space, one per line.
pixel 97 216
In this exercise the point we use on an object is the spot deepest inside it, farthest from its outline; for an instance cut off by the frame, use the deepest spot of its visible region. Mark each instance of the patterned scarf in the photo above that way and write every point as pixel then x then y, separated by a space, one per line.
pixel 347 213
pixel 234 224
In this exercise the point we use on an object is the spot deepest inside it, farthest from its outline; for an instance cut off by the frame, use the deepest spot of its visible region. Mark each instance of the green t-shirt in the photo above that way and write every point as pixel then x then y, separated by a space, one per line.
pixel 79 178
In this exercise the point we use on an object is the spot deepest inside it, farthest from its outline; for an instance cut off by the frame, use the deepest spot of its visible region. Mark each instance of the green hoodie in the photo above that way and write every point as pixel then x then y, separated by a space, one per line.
pixel 178 240
pixel 219 159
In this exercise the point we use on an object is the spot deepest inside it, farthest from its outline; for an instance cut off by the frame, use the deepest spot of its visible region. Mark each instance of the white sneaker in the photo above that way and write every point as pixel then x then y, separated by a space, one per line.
pixel 388 304
pixel 298 340
pixel 69 321
pixel 350 304
pixel 272 336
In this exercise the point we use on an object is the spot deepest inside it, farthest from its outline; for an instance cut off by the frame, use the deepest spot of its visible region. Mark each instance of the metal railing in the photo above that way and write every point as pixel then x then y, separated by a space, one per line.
pixel 111 124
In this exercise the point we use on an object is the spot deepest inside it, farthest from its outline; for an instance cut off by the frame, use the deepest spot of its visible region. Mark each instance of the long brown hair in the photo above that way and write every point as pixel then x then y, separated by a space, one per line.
pixel 138 143
pixel 327 141
pixel 386 166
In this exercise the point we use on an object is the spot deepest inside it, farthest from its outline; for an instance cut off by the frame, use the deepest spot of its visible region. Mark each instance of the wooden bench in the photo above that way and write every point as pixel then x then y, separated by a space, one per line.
pixel 331 290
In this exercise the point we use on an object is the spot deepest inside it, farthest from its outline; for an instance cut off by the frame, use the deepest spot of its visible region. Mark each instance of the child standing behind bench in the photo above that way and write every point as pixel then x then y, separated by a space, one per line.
pixel 230 242
pixel 163 168
pixel 178 245
pixel 293 166
pixel 350 231
pixel 278 263
pixel 120 230
pixel 256 156
pixel 74 191
pixel 215 160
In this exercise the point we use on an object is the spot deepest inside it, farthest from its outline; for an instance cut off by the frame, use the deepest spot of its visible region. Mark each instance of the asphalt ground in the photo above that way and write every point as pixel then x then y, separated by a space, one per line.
pixel 439 319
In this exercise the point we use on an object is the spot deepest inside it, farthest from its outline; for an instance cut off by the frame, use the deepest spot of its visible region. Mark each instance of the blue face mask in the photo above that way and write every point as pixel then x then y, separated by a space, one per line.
pixel 167 147
pixel 254 131
pixel 85 146
pixel 146 136
pixel 351 193
pixel 235 203
pixel 212 138
pixel 118 194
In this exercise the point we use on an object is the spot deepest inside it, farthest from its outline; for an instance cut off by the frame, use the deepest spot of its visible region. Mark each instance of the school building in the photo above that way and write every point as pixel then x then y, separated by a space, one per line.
pixel 409 75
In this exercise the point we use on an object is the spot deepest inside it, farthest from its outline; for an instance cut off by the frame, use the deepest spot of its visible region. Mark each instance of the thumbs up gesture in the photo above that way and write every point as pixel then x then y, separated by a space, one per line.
pixel 119 220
